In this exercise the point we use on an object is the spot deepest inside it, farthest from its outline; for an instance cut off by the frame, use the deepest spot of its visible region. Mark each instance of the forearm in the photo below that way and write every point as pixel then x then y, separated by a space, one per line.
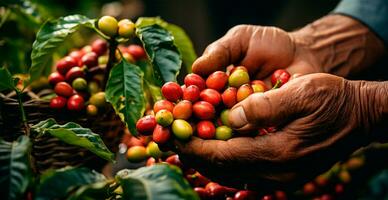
pixel 340 45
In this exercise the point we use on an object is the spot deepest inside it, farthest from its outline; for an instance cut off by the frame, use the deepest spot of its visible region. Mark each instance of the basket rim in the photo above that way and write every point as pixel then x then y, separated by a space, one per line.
pixel 10 98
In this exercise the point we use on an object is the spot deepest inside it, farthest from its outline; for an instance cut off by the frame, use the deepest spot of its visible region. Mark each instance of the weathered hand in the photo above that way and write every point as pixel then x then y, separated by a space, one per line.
pixel 260 49
pixel 321 118
pixel 334 44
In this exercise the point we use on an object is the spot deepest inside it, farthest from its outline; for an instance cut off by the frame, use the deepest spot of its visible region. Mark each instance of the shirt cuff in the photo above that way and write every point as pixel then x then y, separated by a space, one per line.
pixel 373 13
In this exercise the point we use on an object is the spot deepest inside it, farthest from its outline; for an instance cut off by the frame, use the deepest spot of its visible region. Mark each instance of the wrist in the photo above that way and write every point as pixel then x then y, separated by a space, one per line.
pixel 340 45
pixel 371 98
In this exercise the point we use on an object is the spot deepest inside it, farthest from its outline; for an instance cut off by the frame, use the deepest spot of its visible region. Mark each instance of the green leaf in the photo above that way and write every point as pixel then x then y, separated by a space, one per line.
pixel 6 80
pixel 56 184
pixel 98 190
pixel 155 91
pixel 161 181
pixel 184 44
pixel 50 37
pixel 160 48
pixel 15 170
pixel 124 90
pixel 73 134
pixel 181 39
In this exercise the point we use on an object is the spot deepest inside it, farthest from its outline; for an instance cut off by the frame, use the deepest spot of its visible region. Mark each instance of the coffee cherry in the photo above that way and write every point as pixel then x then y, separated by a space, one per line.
pixel 182 110
pixel 172 91
pixel 191 93
pixel 206 130
pixel 202 193
pixel 151 161
pixel 55 78
pixel 245 195
pixel 91 110
pixel 195 79
pixel 164 117
pixel 90 60
pixel 203 110
pixel 108 25
pixel 174 160
pixel 98 99
pixel 153 150
pixel 126 28
pixel 146 125
pixel 225 117
pixel 99 47
pixel 136 154
pixel 80 84
pixel 229 97
pixel 93 87
pixel 339 188
pixel 65 64
pixel 182 129
pixel 267 197
pixel 280 195
pixel 128 57
pixel 238 68
pixel 77 55
pixel 103 60
pixel 75 103
pixel 137 51
pixel 281 77
pixel 63 89
pixel 258 86
pixel 309 188
pixel 74 73
pixel 217 80
pixel 223 133
pixel 211 96
pixel 163 104
pixel 243 92
pixel 215 190
pixel 58 102
pixel 238 77
pixel 161 134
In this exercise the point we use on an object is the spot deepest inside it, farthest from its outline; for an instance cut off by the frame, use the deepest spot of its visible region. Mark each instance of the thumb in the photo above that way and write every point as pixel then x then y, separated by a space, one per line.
pixel 217 56
pixel 260 110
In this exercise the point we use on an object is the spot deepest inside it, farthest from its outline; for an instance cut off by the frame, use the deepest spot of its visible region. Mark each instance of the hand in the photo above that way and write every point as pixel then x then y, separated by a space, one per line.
pixel 334 44
pixel 260 49
pixel 321 118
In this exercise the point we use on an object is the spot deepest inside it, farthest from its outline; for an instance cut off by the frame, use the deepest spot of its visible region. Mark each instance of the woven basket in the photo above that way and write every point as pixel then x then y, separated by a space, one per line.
pixel 49 152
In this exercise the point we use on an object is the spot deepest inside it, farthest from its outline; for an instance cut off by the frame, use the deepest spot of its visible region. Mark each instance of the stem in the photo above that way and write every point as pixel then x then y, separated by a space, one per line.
pixel 23 113
pixel 277 85
pixel 111 59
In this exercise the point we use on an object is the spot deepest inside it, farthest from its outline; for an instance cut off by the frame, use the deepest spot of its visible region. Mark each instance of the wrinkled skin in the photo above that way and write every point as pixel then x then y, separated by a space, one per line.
pixel 268 42
pixel 320 118
pixel 318 123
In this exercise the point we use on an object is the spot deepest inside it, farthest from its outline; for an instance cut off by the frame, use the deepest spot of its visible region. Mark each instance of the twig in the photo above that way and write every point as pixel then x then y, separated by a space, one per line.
pixel 111 59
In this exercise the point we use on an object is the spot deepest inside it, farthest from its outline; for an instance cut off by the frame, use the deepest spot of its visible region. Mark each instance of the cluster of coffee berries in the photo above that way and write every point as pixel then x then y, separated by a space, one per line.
pixel 108 25
pixel 207 189
pixel 200 106
pixel 79 76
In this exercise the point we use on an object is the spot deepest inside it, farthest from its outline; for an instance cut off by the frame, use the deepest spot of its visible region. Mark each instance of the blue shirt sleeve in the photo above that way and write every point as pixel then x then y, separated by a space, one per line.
pixel 373 13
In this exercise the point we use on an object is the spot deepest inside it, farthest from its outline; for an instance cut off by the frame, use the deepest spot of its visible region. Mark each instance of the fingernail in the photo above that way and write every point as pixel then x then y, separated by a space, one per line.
pixel 237 117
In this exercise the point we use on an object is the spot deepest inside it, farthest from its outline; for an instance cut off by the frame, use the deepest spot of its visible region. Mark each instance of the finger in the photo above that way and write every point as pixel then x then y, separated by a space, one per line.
pixel 235 150
pixel 301 68
pixel 244 157
pixel 260 110
pixel 218 55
